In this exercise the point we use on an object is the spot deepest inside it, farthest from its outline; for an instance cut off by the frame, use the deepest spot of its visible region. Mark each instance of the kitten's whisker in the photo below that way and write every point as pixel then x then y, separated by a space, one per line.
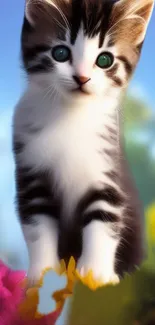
pixel 67 82
pixel 48 93
pixel 53 93
pixel 47 88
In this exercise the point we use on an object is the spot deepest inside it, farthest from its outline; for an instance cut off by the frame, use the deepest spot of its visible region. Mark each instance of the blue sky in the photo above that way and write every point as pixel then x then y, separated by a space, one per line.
pixel 11 85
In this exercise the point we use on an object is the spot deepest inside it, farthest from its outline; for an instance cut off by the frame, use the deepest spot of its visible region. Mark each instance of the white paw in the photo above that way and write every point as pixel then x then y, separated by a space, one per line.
pixel 36 271
pixel 42 242
pixel 34 275
pixel 101 273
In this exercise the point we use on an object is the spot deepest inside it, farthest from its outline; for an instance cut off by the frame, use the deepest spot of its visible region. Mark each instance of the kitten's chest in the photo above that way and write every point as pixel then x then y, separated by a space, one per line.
pixel 72 149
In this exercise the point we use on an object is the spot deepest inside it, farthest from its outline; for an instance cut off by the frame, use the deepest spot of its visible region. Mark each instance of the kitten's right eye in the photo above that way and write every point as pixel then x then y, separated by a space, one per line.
pixel 105 60
pixel 61 53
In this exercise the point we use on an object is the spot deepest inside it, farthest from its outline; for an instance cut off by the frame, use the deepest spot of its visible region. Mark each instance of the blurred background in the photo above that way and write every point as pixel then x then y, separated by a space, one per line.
pixel 133 301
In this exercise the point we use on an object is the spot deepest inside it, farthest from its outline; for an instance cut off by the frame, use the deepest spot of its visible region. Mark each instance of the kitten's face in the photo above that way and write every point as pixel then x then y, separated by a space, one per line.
pixel 84 46
pixel 84 67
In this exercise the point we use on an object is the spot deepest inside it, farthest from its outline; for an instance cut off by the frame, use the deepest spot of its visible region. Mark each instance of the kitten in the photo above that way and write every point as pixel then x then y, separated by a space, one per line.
pixel 74 192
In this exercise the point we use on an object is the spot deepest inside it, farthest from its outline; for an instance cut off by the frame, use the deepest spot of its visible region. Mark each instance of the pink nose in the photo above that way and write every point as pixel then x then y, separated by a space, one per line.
pixel 81 80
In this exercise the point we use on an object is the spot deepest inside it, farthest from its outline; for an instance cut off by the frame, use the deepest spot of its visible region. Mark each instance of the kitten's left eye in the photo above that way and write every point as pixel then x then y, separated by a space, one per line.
pixel 105 60
pixel 61 53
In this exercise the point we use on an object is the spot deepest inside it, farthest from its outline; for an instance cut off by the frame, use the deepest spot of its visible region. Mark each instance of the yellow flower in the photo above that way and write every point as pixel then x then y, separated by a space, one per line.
pixel 61 295
pixel 89 280
pixel 28 308
pixel 150 218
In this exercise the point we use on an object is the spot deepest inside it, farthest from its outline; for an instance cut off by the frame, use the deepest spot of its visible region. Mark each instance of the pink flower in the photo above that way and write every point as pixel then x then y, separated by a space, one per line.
pixel 11 293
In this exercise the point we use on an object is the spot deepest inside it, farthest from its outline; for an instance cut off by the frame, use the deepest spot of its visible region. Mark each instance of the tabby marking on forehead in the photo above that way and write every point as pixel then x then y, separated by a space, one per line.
pixel 95 16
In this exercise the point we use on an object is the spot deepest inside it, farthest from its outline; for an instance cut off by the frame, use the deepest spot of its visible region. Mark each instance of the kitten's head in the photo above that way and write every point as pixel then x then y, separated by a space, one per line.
pixel 84 46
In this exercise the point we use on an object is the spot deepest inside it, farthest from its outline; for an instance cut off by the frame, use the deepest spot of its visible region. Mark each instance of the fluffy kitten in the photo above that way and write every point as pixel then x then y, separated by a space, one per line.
pixel 74 192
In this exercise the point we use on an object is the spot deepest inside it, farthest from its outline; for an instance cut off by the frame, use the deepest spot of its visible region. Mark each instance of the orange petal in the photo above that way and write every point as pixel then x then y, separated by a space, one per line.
pixel 29 306
pixel 71 269
pixel 62 267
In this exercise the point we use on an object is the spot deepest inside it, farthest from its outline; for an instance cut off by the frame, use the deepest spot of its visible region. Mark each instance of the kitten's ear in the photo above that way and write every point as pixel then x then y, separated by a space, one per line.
pixel 30 11
pixel 34 9
pixel 132 18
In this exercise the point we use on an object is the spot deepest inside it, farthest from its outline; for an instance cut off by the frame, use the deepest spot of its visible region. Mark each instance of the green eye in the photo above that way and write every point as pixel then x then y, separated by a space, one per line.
pixel 61 53
pixel 105 60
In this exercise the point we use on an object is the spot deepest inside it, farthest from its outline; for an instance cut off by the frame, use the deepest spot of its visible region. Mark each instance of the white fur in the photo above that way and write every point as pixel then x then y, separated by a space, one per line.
pixel 104 206
pixel 70 146
pixel 99 250
pixel 42 243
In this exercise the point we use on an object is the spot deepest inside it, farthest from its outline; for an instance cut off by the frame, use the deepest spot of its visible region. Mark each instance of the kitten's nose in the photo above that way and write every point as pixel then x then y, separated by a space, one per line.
pixel 81 80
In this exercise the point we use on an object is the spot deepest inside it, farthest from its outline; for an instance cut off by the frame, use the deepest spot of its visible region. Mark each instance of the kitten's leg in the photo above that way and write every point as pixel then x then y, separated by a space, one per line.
pixel 99 250
pixel 42 243
pixel 102 220
pixel 36 210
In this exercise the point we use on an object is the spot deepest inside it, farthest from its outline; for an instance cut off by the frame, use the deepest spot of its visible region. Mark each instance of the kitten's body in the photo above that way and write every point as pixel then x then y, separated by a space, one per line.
pixel 74 197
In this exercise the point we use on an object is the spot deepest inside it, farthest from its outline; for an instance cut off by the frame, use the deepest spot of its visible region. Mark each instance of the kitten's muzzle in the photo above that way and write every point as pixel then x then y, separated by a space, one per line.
pixel 81 80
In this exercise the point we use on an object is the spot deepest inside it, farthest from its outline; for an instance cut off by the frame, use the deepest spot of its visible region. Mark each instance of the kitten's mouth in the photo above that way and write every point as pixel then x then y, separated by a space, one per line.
pixel 80 90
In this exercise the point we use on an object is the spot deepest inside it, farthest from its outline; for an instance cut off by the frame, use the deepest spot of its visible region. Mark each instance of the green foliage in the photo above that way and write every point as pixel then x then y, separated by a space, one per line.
pixel 135 112
pixel 119 305
pixel 139 122
pixel 143 170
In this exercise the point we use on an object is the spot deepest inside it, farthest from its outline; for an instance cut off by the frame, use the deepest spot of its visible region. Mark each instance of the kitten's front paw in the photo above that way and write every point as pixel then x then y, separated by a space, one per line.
pixel 37 271
pixel 33 277
pixel 95 276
